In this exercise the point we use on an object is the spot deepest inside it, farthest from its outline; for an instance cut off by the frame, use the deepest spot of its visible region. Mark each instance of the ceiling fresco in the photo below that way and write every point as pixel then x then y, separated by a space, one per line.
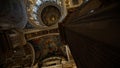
pixel 48 46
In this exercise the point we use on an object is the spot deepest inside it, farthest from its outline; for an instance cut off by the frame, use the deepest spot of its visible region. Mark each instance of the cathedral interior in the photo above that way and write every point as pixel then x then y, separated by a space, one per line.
pixel 60 33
